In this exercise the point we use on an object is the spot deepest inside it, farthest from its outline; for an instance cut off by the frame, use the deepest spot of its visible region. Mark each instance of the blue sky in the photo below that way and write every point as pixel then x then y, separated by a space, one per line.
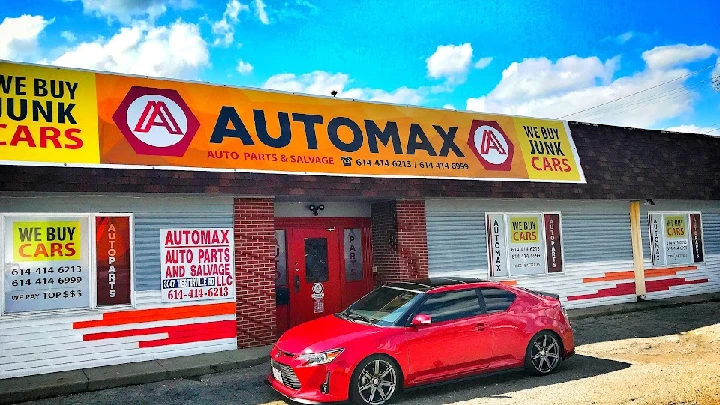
pixel 533 58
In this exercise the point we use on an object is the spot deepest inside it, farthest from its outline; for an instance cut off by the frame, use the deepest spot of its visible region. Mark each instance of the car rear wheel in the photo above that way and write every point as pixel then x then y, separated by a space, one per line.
pixel 543 353
pixel 375 381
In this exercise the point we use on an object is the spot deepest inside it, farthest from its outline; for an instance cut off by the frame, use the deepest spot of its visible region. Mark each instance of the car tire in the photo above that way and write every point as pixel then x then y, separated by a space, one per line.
pixel 377 380
pixel 543 353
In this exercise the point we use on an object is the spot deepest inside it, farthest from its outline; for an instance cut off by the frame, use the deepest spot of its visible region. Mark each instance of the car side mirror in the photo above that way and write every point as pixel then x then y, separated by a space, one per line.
pixel 421 319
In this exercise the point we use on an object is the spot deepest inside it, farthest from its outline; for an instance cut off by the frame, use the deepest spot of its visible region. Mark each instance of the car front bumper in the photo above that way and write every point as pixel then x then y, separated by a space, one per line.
pixel 309 385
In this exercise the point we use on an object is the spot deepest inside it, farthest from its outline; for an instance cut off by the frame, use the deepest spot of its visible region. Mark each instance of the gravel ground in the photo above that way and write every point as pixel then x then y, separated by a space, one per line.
pixel 667 356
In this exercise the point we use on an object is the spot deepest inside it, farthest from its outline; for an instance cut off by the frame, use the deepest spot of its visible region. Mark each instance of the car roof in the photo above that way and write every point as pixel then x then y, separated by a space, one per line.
pixel 432 283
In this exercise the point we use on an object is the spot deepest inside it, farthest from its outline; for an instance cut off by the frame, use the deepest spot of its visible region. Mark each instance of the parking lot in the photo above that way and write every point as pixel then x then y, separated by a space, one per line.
pixel 667 356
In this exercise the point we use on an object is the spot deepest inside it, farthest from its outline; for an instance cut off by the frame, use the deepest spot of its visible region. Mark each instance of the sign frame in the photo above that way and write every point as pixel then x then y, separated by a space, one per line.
pixel 87 219
pixel 506 241
pixel 662 243
pixel 131 218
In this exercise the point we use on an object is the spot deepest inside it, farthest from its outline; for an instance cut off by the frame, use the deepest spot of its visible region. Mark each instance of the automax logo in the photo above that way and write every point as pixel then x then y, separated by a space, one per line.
pixel 491 146
pixel 156 121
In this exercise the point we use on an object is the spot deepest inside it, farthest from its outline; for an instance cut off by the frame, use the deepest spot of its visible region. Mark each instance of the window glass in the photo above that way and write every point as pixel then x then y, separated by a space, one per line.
pixel 383 306
pixel 316 260
pixel 451 305
pixel 497 299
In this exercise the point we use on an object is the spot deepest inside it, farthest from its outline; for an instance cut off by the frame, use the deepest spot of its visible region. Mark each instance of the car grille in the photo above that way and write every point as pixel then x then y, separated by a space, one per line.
pixel 289 378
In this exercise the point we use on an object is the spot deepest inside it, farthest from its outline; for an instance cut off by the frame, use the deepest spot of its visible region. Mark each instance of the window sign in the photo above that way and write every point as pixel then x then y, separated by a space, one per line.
pixel 197 264
pixel 113 259
pixel 675 238
pixel 47 263
pixel 280 259
pixel 353 254
pixel 497 248
pixel 524 244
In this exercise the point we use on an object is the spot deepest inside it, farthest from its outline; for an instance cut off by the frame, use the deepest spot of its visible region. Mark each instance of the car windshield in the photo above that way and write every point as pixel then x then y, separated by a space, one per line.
pixel 382 307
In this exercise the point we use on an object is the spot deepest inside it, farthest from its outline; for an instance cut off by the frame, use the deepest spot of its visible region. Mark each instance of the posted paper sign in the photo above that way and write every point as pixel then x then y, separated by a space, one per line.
pixel 50 264
pixel 197 264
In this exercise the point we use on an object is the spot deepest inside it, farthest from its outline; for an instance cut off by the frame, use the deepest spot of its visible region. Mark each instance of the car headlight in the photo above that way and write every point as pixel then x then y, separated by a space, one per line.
pixel 314 359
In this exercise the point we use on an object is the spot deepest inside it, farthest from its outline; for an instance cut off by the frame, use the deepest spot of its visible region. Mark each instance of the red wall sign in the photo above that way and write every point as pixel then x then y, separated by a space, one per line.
pixel 113 260
pixel 552 243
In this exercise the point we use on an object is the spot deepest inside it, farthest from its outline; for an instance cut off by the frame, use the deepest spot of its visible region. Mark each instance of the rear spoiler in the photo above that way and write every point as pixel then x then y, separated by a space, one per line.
pixel 541 293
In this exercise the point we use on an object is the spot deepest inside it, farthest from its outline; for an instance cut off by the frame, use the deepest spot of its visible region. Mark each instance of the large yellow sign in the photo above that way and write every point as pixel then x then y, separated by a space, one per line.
pixel 121 120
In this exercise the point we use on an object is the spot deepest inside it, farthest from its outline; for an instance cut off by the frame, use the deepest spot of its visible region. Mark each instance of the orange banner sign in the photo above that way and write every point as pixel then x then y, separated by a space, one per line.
pixel 178 125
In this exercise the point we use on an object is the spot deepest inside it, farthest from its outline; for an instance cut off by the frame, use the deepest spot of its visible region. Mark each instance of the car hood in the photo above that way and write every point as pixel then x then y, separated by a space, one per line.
pixel 328 332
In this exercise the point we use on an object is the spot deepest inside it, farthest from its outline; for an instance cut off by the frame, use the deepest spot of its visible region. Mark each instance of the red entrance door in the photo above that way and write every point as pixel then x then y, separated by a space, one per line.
pixel 314 274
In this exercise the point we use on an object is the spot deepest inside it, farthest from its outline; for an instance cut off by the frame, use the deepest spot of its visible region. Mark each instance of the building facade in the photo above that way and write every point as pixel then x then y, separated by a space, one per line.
pixel 141 219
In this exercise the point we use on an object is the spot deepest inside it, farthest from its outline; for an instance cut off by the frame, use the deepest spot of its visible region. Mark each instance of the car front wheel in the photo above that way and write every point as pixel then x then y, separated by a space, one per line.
pixel 376 381
pixel 543 354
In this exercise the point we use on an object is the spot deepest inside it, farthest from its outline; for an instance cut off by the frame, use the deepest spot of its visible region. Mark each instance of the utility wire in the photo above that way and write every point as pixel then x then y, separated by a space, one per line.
pixel 621 107
pixel 641 91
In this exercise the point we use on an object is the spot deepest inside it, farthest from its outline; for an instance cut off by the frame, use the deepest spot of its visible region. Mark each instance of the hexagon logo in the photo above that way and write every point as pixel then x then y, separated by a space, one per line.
pixel 491 146
pixel 156 121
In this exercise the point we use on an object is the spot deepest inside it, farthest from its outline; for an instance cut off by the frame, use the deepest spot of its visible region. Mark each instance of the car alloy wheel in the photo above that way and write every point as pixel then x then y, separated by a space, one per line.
pixel 375 381
pixel 543 354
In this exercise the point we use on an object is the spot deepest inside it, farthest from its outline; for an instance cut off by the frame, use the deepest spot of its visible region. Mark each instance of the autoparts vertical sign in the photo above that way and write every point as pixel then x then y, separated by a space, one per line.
pixel 112 238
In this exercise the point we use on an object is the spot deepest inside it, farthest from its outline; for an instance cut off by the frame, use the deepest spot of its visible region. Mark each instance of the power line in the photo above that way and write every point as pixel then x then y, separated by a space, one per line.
pixel 620 107
pixel 641 91
pixel 645 103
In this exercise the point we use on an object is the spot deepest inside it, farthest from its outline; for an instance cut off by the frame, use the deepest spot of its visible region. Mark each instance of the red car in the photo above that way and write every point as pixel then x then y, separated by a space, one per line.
pixel 418 332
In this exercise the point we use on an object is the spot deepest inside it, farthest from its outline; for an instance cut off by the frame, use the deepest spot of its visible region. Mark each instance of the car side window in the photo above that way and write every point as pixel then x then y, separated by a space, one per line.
pixel 497 299
pixel 451 305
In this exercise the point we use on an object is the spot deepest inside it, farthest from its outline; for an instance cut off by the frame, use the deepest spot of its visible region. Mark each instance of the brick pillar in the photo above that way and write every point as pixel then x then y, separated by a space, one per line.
pixel 399 237
pixel 254 220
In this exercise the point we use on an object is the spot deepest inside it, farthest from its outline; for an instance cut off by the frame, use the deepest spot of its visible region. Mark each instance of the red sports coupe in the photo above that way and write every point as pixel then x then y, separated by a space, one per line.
pixel 407 334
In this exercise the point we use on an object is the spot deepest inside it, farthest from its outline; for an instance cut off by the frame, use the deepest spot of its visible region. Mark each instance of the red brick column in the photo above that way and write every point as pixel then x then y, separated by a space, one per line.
pixel 399 240
pixel 254 220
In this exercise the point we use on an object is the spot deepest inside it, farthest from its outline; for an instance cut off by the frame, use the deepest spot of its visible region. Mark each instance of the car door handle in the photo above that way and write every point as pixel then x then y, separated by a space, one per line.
pixel 480 326
pixel 297 283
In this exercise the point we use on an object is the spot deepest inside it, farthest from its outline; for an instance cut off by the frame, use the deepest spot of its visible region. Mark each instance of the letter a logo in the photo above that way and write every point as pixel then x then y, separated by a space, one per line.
pixel 490 145
pixel 156 121
pixel 490 141
pixel 156 113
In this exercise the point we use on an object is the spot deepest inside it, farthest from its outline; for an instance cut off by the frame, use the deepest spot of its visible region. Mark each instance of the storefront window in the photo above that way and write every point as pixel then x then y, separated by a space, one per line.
pixel 49 261
pixel 676 238
pixel 521 244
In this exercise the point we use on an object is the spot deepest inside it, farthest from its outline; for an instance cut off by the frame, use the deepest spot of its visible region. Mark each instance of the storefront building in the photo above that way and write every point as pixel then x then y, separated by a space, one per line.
pixel 145 219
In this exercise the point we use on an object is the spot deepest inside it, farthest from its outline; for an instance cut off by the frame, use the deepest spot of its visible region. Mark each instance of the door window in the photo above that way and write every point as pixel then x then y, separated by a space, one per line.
pixel 497 299
pixel 451 305
pixel 316 260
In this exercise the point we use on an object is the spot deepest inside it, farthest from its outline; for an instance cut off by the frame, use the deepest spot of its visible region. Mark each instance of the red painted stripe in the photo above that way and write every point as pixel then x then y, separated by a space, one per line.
pixel 629 288
pixel 185 331
pixel 222 332
pixel 159 314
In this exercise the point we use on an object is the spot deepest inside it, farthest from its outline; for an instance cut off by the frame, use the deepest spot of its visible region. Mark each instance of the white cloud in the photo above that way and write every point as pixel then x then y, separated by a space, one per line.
pixel 19 36
pixel 543 88
pixel 176 51
pixel 244 68
pixel 624 37
pixel 663 57
pixel 128 10
pixel 694 129
pixel 323 83
pixel 224 30
pixel 482 63
pixel 716 74
pixel 260 12
pixel 68 36
pixel 449 107
pixel 451 62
